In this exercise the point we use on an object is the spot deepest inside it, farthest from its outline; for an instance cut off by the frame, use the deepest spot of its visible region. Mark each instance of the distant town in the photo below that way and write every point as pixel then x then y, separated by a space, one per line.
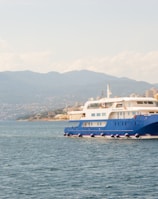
pixel 61 113
pixel 30 95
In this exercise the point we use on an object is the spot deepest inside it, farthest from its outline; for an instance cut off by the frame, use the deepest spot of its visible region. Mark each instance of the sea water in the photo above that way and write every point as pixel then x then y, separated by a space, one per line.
pixel 37 161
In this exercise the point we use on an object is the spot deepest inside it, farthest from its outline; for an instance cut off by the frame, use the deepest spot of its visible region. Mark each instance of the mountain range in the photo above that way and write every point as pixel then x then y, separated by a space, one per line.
pixel 59 89
pixel 29 87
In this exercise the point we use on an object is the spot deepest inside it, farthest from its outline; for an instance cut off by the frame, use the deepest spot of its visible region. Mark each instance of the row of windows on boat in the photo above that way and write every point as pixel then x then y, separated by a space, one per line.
pixel 119 105
pixel 103 124
pixel 100 124
pixel 119 113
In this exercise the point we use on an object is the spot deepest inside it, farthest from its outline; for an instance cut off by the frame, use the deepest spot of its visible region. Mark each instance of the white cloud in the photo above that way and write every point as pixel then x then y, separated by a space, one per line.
pixel 35 61
pixel 4 46
pixel 138 66
pixel 14 61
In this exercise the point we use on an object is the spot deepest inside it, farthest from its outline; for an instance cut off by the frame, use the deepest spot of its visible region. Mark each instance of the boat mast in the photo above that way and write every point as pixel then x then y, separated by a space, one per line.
pixel 108 91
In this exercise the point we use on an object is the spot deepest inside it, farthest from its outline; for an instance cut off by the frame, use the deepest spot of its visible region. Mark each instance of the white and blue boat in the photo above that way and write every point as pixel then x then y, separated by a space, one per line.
pixel 118 117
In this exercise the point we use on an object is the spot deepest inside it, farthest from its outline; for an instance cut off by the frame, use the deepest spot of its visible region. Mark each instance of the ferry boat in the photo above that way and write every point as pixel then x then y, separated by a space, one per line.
pixel 118 117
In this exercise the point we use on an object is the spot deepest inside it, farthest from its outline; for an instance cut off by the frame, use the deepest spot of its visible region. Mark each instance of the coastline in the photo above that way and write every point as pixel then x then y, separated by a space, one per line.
pixel 55 119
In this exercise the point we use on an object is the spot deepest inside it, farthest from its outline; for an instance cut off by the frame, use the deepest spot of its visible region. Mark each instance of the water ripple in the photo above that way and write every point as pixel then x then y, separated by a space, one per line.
pixel 37 161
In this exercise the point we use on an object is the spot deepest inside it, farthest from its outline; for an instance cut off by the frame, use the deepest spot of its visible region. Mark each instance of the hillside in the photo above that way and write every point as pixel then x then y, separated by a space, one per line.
pixel 29 87
pixel 23 90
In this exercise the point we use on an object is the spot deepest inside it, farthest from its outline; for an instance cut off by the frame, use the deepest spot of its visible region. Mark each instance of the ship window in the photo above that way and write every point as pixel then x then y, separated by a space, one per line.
pixel 86 124
pixel 106 105
pixel 145 102
pixel 139 102
pixel 150 102
pixel 103 114
pixel 119 105
pixel 93 105
pixel 94 124
pixel 98 114
pixel 93 114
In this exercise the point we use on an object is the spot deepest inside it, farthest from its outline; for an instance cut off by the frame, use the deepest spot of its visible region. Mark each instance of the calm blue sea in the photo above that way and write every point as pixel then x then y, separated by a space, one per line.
pixel 37 161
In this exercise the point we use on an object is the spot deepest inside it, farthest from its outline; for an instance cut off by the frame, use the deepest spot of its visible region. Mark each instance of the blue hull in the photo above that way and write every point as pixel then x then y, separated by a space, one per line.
pixel 140 126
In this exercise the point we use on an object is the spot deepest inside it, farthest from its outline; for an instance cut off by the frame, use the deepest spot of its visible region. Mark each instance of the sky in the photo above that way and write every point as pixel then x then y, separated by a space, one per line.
pixel 115 37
